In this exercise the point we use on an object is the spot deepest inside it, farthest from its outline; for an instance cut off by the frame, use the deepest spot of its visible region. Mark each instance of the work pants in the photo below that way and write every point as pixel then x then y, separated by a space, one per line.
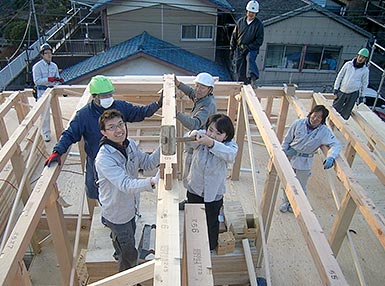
pixel 302 176
pixel 123 240
pixel 245 65
pixel 344 103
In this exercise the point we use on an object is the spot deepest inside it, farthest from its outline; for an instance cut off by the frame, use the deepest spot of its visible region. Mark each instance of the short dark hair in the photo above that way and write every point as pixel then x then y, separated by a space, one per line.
pixel 108 115
pixel 323 109
pixel 223 124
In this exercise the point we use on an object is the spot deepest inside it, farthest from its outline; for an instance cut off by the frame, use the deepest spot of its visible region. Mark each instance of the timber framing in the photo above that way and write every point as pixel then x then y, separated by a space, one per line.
pixel 245 107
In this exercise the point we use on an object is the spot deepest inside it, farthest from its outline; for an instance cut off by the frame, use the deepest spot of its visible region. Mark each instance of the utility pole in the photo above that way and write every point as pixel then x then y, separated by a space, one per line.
pixel 35 18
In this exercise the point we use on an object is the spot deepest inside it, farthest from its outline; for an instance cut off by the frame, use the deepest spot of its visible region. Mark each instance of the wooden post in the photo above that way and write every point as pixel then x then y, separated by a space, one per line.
pixel 240 139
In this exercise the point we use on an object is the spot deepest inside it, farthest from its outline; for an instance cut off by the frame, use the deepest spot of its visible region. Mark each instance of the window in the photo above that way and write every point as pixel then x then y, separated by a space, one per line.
pixel 197 32
pixel 302 57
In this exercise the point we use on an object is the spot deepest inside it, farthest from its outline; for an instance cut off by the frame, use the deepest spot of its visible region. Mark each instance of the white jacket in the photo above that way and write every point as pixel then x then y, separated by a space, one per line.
pixel 207 176
pixel 118 179
pixel 305 141
pixel 351 79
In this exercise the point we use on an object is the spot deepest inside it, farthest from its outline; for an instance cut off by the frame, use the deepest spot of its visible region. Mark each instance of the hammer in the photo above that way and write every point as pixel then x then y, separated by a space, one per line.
pixel 168 139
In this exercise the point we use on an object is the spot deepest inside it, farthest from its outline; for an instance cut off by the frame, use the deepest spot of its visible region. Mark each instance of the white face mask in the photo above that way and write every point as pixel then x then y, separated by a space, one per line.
pixel 106 102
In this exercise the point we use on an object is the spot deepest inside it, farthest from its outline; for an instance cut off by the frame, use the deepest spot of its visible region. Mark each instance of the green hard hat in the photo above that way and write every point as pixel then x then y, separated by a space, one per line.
pixel 101 85
pixel 363 52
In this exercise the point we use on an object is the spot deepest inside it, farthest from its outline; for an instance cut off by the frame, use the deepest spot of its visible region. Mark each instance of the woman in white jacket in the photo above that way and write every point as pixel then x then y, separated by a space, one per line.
pixel 214 149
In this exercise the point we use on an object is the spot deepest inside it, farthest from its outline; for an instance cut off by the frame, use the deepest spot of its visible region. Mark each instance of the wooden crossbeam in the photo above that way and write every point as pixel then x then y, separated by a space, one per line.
pixel 326 264
pixel 167 247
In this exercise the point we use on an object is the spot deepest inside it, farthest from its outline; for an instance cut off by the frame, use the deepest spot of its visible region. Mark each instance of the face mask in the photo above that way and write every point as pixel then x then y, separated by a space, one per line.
pixel 106 102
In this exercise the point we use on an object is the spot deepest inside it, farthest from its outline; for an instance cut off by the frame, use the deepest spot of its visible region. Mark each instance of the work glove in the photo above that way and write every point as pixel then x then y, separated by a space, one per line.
pixel 51 79
pixel 335 92
pixel 54 157
pixel 59 79
pixel 155 180
pixel 290 152
pixel 160 100
pixel 328 163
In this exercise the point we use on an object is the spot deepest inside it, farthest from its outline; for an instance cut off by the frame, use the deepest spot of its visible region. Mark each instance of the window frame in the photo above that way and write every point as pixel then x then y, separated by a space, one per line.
pixel 302 59
pixel 197 39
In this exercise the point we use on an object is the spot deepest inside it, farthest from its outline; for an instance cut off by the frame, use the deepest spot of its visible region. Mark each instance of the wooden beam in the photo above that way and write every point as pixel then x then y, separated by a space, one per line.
pixel 129 277
pixel 196 240
pixel 326 264
pixel 373 162
pixel 167 247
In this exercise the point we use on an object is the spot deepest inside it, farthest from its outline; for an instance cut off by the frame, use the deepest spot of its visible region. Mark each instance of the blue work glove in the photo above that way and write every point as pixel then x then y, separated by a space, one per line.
pixel 328 163
pixel 290 152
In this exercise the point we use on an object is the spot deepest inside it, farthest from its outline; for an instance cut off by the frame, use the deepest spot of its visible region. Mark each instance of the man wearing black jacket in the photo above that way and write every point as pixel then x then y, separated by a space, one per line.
pixel 245 41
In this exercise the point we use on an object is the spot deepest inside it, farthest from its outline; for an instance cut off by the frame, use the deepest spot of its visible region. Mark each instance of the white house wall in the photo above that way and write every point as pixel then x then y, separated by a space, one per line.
pixel 138 66
pixel 311 28
pixel 163 22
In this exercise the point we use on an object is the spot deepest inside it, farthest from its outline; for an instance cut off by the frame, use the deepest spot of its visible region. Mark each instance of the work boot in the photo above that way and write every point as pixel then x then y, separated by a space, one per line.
pixel 181 205
pixel 285 207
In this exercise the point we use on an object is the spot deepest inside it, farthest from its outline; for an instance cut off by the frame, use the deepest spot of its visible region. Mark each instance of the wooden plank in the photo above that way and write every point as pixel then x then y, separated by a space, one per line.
pixel 59 234
pixel 197 255
pixel 167 247
pixel 367 208
pixel 374 163
pixel 249 262
pixel 319 248
pixel 130 276
pixel 240 132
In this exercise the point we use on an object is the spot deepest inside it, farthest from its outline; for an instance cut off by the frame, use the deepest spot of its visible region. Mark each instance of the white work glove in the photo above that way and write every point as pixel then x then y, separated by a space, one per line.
pixel 155 180
pixel 194 133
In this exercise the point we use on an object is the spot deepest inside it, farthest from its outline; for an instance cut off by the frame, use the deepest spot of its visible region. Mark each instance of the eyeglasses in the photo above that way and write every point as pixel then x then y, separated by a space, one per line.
pixel 120 125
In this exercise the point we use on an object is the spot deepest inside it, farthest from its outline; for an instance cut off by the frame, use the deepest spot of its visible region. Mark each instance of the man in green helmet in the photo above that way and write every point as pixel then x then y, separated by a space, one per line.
pixel 85 125
pixel 350 83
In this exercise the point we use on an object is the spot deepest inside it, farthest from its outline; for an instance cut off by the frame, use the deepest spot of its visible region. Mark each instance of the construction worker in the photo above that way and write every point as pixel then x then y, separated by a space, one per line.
pixel 117 164
pixel 85 125
pixel 351 82
pixel 302 140
pixel 204 106
pixel 245 41
pixel 45 74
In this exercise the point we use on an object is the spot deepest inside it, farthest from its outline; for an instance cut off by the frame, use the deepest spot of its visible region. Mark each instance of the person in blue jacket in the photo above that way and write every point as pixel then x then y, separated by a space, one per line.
pixel 85 125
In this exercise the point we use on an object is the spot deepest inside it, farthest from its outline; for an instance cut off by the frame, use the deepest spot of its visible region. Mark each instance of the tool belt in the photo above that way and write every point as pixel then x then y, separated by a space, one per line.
pixel 43 87
pixel 306 155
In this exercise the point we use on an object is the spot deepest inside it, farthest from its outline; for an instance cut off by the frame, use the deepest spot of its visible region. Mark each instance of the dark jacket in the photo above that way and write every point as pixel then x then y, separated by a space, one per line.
pixel 86 124
pixel 247 37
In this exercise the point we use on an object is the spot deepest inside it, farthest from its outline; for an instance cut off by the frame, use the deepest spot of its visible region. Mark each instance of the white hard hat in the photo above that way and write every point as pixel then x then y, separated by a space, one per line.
pixel 253 6
pixel 205 79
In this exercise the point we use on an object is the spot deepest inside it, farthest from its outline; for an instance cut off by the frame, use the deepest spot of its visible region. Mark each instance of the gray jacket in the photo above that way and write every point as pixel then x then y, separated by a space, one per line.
pixel 207 176
pixel 201 111
pixel 118 179
pixel 307 142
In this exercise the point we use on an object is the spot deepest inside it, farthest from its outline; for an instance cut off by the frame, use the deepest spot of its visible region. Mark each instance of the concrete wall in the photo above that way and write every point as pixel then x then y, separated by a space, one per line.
pixel 310 28
pixel 163 22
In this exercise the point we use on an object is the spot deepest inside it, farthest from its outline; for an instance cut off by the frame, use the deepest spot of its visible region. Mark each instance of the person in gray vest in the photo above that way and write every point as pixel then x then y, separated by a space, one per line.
pixel 45 74
pixel 204 106
pixel 350 83
pixel 302 140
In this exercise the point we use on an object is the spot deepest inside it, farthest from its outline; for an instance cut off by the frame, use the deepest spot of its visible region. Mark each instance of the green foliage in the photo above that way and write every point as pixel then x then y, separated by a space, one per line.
pixel 14 31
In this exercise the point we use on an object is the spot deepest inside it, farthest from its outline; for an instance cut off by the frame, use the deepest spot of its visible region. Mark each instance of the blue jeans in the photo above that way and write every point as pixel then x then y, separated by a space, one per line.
pixel 123 240
pixel 245 65
pixel 92 190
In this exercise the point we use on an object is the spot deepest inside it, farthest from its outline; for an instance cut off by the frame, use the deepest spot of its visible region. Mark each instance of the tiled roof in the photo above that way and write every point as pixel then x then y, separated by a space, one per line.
pixel 97 4
pixel 267 8
pixel 150 46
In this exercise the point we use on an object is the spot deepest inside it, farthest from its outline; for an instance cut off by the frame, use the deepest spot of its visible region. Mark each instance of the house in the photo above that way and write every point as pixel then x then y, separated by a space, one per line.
pixel 190 25
pixel 143 55
pixel 304 43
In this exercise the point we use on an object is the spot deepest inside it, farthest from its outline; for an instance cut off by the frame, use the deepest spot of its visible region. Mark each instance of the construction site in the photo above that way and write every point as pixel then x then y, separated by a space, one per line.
pixel 52 234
